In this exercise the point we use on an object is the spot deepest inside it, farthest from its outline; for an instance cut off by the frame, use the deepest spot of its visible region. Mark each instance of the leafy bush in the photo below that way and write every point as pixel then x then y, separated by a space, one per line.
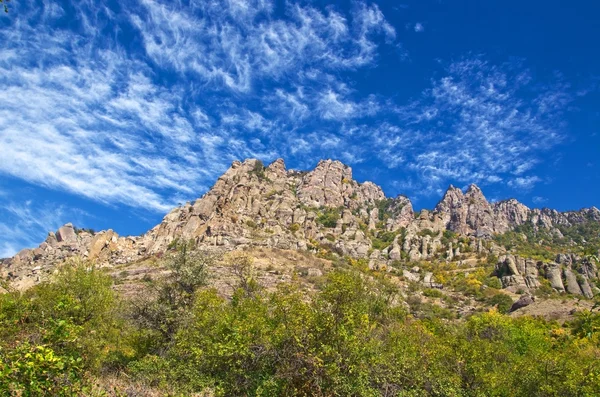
pixel 259 171
pixel 165 304
pixel 502 302
pixel 383 239
pixel 493 282
pixel 427 232
pixel 37 370
pixel 329 217
pixel 432 293
pixel 351 337
pixel 57 331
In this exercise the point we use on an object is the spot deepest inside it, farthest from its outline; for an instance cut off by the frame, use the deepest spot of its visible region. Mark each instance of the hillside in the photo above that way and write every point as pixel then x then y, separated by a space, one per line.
pixel 326 212
pixel 281 282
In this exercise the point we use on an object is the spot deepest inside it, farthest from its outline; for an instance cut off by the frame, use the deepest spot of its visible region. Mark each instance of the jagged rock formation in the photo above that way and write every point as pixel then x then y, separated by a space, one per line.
pixel 567 273
pixel 325 209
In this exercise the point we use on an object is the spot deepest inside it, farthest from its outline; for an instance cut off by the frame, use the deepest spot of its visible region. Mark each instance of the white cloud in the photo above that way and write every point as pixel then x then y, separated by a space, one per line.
pixel 524 183
pixel 205 42
pixel 148 104
pixel 92 119
pixel 472 126
pixel 419 27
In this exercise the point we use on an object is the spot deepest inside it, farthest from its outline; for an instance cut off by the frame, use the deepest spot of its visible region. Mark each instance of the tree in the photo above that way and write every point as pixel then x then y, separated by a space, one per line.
pixel 167 302
pixel 244 273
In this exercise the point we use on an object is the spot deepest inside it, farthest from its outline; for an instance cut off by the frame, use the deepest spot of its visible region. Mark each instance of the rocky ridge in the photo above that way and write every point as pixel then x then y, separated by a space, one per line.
pixel 326 210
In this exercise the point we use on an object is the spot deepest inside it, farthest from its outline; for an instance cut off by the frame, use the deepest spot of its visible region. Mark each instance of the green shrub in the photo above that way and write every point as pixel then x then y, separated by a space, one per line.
pixel 350 336
pixel 56 332
pixel 383 239
pixel 502 302
pixel 427 232
pixel 37 370
pixel 329 217
pixel 259 171
pixel 433 293
pixel 165 304
pixel 493 282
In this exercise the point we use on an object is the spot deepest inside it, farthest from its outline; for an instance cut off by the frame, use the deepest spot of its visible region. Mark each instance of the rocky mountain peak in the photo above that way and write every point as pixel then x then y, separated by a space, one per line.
pixel 277 167
pixel 475 192
pixel 254 205
pixel 452 198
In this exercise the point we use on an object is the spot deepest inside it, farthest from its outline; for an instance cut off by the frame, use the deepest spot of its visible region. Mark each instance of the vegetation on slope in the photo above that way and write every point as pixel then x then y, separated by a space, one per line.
pixel 541 244
pixel 352 338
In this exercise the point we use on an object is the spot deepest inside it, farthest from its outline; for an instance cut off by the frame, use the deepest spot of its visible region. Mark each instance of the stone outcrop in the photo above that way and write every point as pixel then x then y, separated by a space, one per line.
pixel 518 274
pixel 467 213
pixel 524 300
pixel 325 209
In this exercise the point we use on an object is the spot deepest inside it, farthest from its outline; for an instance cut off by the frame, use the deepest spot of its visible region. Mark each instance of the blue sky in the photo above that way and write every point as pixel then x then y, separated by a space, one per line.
pixel 114 112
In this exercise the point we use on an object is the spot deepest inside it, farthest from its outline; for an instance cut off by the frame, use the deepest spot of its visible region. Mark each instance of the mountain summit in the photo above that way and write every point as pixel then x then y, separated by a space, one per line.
pixel 324 209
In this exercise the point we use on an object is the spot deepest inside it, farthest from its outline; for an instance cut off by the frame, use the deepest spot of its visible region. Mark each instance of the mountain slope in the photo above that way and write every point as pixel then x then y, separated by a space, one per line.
pixel 327 212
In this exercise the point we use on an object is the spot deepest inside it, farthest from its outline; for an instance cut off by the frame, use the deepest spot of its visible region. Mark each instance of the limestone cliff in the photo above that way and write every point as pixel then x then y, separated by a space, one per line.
pixel 325 209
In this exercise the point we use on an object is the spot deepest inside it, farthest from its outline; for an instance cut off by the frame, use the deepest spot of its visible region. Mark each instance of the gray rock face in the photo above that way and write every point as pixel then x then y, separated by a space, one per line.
pixel 586 289
pixel 516 273
pixel 254 205
pixel 553 274
pixel 571 281
pixel 468 213
pixel 523 301
pixel 471 214
pixel 66 233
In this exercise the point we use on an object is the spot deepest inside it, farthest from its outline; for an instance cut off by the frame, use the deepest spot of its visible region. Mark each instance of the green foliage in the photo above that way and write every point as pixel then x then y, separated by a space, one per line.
pixel 55 332
pixel 427 232
pixel 165 304
pixel 36 370
pixel 383 239
pixel 383 207
pixel 328 217
pixel 280 344
pixel 502 302
pixel 432 293
pixel 294 227
pixel 87 230
pixel 587 324
pixel 259 171
pixel 243 270
pixel 351 337
pixel 349 340
pixel 251 224
pixel 448 236
pixel 541 244
pixel 493 282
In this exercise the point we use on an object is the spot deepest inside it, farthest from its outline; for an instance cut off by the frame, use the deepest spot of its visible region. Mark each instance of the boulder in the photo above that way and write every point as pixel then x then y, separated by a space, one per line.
pixel 66 234
pixel 553 274
pixel 572 284
pixel 524 300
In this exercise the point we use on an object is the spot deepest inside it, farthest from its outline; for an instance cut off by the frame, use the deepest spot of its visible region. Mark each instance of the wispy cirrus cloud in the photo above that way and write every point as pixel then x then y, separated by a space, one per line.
pixel 92 118
pixel 224 43
pixel 147 103
pixel 475 125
